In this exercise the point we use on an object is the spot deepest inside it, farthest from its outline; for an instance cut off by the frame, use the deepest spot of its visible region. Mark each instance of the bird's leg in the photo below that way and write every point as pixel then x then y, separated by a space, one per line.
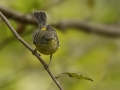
pixel 50 59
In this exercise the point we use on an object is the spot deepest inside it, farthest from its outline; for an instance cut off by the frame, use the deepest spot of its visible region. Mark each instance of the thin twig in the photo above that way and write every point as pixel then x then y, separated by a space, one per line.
pixel 31 49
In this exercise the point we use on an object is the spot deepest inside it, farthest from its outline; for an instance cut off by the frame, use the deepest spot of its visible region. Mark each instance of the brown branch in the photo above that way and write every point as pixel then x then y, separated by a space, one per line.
pixel 31 49
pixel 12 14
pixel 88 27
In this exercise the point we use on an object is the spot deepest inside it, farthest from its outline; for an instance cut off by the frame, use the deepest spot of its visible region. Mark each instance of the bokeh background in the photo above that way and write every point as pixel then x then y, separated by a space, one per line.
pixel 92 55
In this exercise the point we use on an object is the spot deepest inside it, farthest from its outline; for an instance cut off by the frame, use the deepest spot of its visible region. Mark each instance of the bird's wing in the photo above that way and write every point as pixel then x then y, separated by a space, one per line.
pixel 34 36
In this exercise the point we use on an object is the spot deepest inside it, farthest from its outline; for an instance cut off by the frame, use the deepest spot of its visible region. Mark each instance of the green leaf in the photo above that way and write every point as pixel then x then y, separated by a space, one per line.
pixel 74 75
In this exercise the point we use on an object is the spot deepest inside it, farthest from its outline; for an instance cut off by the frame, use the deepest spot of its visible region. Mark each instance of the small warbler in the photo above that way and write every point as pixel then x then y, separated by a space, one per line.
pixel 45 37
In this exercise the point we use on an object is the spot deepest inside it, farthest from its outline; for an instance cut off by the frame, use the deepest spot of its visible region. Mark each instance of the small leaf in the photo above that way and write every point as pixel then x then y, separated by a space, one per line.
pixel 74 75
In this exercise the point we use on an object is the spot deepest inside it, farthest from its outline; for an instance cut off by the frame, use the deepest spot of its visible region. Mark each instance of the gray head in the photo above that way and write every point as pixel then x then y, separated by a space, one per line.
pixel 44 37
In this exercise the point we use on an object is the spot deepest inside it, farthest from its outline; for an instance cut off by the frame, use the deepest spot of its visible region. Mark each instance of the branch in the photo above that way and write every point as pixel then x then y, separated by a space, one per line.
pixel 88 27
pixel 31 49
pixel 26 19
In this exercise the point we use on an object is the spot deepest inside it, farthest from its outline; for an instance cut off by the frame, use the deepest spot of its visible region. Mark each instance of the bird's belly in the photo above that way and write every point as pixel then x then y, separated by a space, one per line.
pixel 48 48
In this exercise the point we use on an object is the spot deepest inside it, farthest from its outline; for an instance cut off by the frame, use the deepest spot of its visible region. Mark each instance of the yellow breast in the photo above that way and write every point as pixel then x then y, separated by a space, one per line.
pixel 49 48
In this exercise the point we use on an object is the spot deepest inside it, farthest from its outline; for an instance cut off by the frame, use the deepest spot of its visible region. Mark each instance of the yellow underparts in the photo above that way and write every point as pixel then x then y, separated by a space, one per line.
pixel 48 48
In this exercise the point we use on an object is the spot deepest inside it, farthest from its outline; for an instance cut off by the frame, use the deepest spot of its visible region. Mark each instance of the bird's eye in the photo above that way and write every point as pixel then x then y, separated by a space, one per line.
pixel 45 39
pixel 43 23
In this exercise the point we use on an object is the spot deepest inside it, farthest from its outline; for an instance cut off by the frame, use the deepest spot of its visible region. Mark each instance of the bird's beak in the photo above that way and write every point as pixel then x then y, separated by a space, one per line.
pixel 51 39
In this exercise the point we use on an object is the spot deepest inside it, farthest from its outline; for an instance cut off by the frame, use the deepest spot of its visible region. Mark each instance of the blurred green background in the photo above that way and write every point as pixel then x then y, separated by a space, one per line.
pixel 91 55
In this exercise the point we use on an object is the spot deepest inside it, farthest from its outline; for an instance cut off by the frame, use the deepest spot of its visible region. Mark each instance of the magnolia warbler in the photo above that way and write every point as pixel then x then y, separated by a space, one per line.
pixel 45 37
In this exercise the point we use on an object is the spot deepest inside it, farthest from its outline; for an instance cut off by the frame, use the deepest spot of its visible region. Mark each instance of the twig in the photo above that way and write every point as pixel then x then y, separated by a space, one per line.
pixel 88 27
pixel 31 49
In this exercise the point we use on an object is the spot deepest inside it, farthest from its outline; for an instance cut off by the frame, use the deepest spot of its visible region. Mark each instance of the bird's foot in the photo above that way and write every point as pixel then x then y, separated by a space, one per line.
pixel 35 52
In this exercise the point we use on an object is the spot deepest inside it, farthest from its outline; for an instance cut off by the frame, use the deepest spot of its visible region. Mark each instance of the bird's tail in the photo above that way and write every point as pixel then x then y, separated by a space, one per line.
pixel 40 17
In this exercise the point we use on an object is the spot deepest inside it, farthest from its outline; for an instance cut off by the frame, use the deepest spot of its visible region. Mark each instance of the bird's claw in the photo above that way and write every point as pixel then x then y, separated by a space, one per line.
pixel 35 52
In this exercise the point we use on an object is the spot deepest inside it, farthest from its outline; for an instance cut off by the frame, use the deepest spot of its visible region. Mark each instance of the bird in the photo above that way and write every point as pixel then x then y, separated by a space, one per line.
pixel 45 38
